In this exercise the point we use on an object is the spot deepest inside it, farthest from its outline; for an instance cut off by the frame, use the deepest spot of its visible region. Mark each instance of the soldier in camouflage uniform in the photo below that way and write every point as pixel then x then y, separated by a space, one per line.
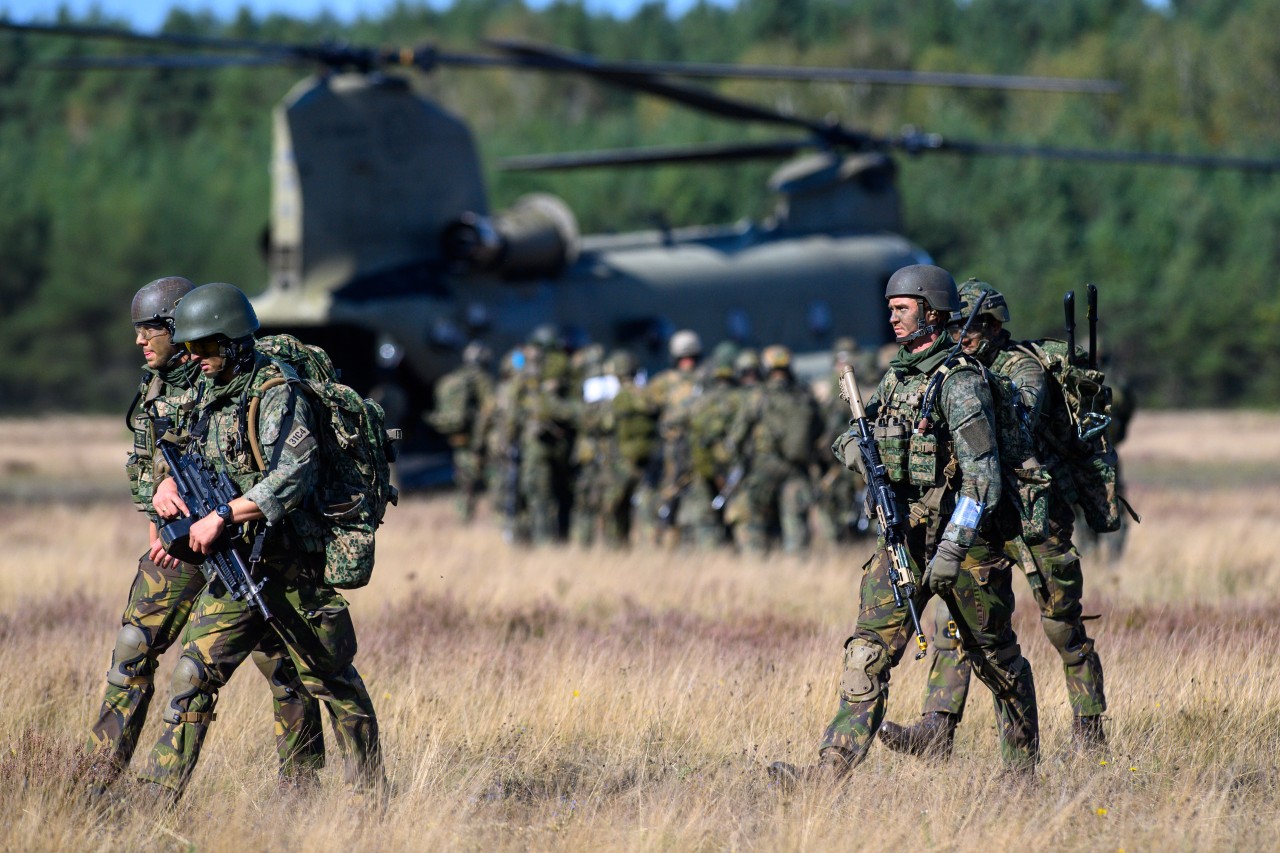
pixel 673 390
pixel 1052 567
pixel 547 431
pixel 710 415
pixel 631 442
pixel 774 434
pixel 840 498
pixel 945 473
pixel 517 381
pixel 463 397
pixel 590 439
pixel 216 323
pixel 164 588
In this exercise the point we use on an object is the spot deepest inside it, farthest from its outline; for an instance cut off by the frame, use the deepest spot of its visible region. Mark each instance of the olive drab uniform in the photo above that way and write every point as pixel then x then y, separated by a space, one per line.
pixel 593 391
pixel 310 618
pixel 549 419
pixel 502 442
pixel 956 458
pixel 840 494
pixel 775 431
pixel 628 450
pixel 1052 569
pixel 711 415
pixel 463 397
pixel 673 390
pixel 160 601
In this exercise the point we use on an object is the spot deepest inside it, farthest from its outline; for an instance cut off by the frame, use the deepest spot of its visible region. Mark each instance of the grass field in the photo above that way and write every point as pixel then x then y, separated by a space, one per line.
pixel 584 700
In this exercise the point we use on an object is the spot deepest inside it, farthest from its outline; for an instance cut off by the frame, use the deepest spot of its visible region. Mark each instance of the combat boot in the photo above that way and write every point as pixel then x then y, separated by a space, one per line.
pixel 832 767
pixel 931 737
pixel 1087 734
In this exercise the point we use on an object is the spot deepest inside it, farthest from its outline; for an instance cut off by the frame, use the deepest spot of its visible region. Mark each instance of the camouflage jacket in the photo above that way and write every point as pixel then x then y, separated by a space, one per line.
pixel 777 420
pixel 164 394
pixel 956 457
pixel 464 399
pixel 285 490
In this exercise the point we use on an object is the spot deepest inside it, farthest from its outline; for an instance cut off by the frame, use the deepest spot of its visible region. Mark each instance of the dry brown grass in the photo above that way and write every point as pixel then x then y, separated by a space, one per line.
pixel 588 701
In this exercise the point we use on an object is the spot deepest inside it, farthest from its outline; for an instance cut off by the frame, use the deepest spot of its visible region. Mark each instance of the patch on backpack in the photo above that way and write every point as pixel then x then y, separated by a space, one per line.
pixel 298 435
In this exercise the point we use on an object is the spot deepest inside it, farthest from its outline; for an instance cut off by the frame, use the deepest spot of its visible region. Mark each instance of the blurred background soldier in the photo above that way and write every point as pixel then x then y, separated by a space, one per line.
pixel 841 494
pixel 628 450
pixel 595 395
pixel 1052 568
pixel 164 588
pixel 517 375
pixel 1124 401
pixel 714 478
pixel 464 397
pixel 746 367
pixel 672 391
pixel 776 429
pixel 546 450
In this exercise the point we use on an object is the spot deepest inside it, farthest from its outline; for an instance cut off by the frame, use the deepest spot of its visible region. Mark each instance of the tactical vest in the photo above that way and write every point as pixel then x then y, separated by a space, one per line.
pixel 160 395
pixel 919 461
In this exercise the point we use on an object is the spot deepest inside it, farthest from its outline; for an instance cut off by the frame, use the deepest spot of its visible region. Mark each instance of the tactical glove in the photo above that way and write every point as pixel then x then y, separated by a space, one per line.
pixel 845 448
pixel 945 567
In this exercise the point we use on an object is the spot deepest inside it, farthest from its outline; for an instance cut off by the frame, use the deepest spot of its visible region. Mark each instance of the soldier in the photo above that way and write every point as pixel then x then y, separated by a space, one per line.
pixel 463 398
pixel 840 497
pixel 1052 568
pixel 774 434
pixel 945 473
pixel 546 444
pixel 628 448
pixel 591 436
pixel 164 588
pixel 672 390
pixel 713 477
pixel 216 324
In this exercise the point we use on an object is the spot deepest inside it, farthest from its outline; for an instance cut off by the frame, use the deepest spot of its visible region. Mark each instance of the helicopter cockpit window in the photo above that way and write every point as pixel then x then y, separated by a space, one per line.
pixel 738 326
pixel 818 318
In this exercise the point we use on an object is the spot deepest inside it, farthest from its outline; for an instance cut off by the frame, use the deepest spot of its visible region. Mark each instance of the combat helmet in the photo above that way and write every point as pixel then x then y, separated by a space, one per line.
pixel 621 364
pixel 685 344
pixel 477 353
pixel 722 358
pixel 747 362
pixel 776 357
pixel 156 301
pixel 214 309
pixel 925 281
pixel 994 306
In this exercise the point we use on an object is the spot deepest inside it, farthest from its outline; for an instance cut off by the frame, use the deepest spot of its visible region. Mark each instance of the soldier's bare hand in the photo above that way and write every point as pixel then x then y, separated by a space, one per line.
pixel 161 557
pixel 205 532
pixel 166 502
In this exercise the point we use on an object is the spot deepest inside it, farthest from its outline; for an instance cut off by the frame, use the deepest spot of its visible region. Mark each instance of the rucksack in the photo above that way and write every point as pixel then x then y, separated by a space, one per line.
pixel 1075 428
pixel 356 452
pixel 457 403
pixel 1023 509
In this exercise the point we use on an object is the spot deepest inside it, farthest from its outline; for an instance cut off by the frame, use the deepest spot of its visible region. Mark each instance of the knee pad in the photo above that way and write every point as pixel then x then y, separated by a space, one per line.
pixel 864 665
pixel 282 677
pixel 190 679
pixel 131 665
pixel 1070 639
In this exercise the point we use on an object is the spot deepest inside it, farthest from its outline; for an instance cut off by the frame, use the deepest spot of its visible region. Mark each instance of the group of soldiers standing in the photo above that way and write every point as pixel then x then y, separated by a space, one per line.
pixel 723 448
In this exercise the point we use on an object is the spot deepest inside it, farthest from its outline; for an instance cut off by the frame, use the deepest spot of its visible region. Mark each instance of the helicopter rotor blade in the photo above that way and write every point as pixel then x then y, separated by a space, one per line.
pixel 655 156
pixel 94 63
pixel 888 77
pixel 912 142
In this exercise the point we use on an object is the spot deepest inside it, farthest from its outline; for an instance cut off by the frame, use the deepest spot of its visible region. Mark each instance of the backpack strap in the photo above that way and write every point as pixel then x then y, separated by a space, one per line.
pixel 251 419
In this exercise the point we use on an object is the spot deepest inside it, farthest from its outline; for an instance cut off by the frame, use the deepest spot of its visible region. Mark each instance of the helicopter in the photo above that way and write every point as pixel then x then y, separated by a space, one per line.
pixel 382 247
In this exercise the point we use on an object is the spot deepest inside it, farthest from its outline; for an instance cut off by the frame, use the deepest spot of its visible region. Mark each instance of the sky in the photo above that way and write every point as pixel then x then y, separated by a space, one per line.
pixel 147 15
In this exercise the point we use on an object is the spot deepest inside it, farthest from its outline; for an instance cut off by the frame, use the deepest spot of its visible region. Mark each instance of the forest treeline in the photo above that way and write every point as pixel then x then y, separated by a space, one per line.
pixel 109 178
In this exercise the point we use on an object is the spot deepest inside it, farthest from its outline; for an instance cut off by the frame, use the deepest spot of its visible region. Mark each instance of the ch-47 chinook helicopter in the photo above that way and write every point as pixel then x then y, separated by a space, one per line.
pixel 382 247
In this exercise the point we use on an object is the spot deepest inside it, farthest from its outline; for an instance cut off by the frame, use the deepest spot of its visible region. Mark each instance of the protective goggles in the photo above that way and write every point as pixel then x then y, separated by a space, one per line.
pixel 204 347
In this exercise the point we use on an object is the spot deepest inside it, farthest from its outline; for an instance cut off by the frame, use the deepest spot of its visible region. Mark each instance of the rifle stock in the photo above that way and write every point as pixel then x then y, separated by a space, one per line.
pixel 880 493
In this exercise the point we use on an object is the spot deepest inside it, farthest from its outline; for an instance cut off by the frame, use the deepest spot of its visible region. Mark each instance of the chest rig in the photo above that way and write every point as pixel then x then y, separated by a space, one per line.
pixel 921 460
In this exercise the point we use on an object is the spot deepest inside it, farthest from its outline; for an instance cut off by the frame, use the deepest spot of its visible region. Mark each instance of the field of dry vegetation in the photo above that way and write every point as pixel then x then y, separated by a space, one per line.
pixel 586 701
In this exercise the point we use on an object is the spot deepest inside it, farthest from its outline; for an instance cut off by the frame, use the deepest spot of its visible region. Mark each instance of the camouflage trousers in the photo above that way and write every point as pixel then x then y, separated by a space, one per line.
pixel 1053 572
pixel 468 477
pixel 311 622
pixel 546 485
pixel 622 501
pixel 839 497
pixel 588 502
pixel 160 601
pixel 697 522
pixel 982 600
pixel 775 495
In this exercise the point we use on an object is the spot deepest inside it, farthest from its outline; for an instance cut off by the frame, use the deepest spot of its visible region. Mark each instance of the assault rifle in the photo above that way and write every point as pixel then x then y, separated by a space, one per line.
pixel 731 483
pixel 202 489
pixel 881 496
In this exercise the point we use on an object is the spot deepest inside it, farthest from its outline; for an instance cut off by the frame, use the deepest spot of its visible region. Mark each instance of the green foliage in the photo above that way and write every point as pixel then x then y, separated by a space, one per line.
pixel 109 179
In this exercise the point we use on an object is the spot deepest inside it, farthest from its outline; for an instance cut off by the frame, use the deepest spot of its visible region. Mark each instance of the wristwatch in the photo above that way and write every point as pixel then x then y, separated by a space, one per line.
pixel 223 512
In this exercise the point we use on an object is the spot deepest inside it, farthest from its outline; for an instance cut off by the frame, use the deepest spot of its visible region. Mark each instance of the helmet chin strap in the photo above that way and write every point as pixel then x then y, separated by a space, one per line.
pixel 925 329
pixel 240 354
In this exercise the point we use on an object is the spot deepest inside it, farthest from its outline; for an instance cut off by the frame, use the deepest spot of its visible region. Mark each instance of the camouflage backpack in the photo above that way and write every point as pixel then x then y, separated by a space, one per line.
pixel 635 418
pixel 356 450
pixel 457 403
pixel 1023 509
pixel 1074 428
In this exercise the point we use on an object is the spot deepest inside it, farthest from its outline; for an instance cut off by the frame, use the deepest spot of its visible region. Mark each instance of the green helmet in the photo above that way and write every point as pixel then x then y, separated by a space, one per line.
pixel 621 364
pixel 214 309
pixel 994 306
pixel 156 301
pixel 748 361
pixel 925 281
pixel 776 357
pixel 722 359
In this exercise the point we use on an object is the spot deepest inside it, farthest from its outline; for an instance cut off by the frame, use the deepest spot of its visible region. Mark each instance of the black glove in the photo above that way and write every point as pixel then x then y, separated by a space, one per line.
pixel 943 570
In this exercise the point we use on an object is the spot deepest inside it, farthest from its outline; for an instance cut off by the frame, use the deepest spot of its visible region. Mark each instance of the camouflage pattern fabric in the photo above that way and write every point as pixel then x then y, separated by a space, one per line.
pixel 546 465
pixel 502 444
pixel 311 618
pixel 839 493
pixel 464 402
pixel 626 456
pixel 594 430
pixel 673 390
pixel 709 417
pixel 314 628
pixel 956 456
pixel 165 394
